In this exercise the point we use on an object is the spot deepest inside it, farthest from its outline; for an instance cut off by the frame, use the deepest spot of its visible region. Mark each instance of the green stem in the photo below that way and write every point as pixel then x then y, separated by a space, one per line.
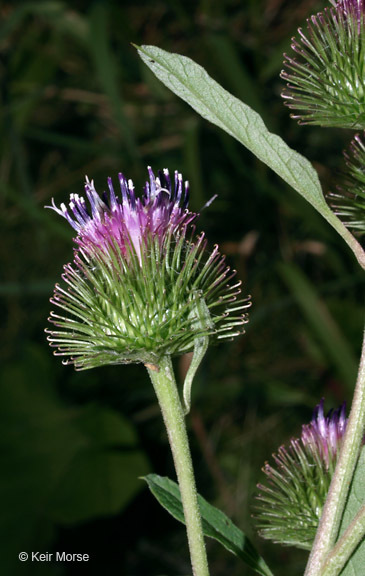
pixel 329 525
pixel 346 545
pixel 163 380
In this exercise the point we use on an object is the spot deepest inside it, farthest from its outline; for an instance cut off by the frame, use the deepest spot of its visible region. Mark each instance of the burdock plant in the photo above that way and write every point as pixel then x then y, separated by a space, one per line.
pixel 143 287
pixel 326 86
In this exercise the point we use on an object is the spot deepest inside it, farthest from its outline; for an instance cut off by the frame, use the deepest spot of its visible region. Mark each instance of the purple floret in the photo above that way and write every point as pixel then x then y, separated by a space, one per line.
pixel 325 432
pixel 351 7
pixel 125 219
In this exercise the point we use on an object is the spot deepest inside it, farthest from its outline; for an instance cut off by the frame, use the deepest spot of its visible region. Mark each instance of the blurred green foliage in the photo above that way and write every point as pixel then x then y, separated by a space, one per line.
pixel 75 100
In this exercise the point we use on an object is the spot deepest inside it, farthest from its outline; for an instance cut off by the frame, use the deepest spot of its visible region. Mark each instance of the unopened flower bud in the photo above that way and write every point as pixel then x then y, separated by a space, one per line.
pixel 325 73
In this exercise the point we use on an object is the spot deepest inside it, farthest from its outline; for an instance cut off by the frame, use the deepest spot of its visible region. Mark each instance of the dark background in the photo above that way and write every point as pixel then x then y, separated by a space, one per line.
pixel 76 100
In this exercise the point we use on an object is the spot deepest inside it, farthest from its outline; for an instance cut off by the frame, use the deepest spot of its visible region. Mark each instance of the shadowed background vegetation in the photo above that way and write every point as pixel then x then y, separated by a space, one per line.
pixel 76 100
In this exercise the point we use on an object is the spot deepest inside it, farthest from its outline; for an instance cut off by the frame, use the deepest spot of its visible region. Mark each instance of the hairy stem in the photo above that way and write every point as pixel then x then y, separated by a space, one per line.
pixel 327 532
pixel 346 545
pixel 163 380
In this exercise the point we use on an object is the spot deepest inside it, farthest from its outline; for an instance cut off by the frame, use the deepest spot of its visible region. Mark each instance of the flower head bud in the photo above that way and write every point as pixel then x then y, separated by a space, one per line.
pixel 349 200
pixel 291 501
pixel 326 73
pixel 141 284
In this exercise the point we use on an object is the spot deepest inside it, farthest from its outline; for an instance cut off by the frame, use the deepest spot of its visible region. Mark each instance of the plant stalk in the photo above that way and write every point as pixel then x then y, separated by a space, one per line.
pixel 346 545
pixel 330 521
pixel 163 380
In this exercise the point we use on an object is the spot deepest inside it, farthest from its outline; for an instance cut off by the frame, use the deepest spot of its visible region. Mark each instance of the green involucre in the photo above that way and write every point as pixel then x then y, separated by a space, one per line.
pixel 119 309
pixel 292 499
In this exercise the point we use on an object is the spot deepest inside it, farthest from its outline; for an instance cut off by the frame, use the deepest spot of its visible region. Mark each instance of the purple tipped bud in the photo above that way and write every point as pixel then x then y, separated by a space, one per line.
pixel 292 498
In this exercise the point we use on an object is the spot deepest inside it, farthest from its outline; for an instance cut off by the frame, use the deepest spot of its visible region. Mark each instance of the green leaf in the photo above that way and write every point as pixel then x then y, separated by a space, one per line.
pixel 201 321
pixel 215 523
pixel 355 566
pixel 192 83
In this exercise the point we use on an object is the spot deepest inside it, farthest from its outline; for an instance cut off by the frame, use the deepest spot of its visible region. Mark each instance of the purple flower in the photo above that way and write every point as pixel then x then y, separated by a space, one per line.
pixel 127 220
pixel 141 285
pixel 324 433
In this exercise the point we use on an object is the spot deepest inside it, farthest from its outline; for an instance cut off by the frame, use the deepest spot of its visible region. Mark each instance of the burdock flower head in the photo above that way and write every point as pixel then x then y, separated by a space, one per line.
pixel 291 500
pixel 349 199
pixel 141 285
pixel 326 73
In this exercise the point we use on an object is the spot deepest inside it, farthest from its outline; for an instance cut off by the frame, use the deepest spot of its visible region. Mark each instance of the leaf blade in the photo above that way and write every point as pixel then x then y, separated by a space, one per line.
pixel 192 83
pixel 216 524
